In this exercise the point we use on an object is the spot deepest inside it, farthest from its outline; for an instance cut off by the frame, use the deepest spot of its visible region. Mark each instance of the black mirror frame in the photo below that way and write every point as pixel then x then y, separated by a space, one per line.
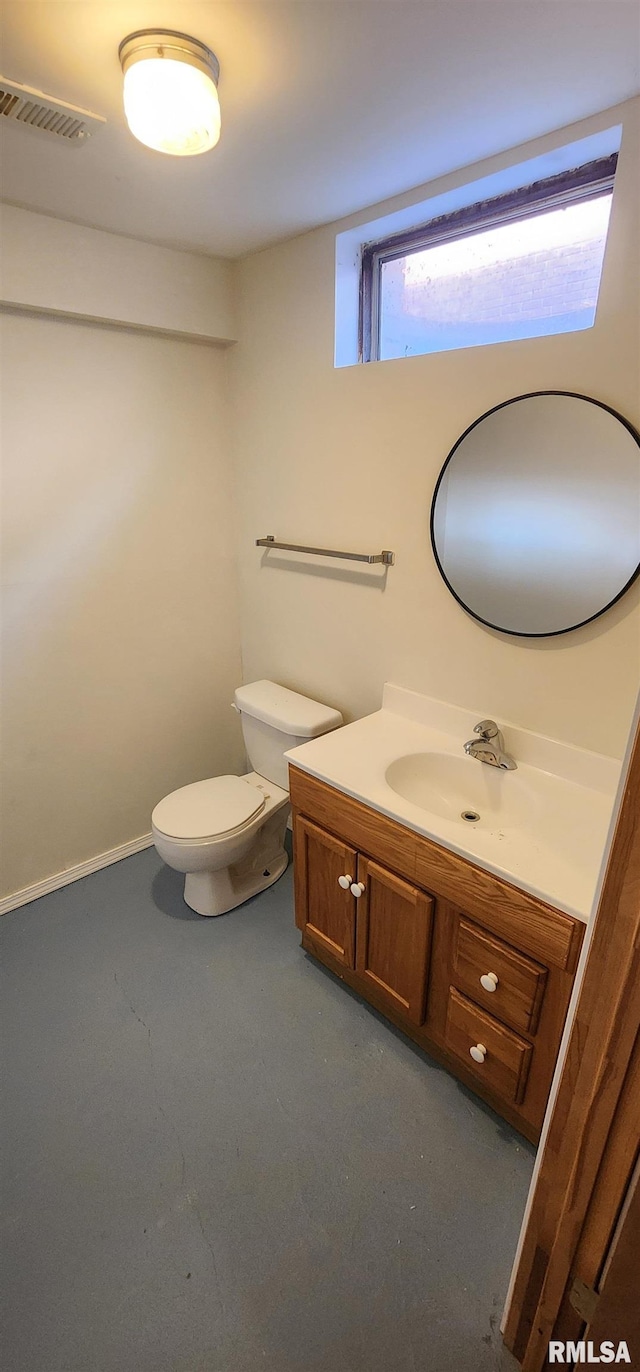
pixel 528 395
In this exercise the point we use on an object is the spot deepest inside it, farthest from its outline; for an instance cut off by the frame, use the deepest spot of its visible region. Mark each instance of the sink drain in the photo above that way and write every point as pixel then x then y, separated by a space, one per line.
pixel 471 816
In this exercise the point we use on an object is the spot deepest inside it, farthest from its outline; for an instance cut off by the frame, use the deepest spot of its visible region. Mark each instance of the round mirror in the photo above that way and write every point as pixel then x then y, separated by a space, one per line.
pixel 535 521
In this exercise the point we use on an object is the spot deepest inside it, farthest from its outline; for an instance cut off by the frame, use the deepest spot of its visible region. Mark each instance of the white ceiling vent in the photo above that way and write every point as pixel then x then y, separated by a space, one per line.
pixel 34 110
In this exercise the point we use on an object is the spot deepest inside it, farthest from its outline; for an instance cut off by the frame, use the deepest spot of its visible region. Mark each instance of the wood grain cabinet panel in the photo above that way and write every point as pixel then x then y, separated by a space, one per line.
pixel 519 981
pixel 507 1057
pixel 544 932
pixel 393 939
pixel 325 912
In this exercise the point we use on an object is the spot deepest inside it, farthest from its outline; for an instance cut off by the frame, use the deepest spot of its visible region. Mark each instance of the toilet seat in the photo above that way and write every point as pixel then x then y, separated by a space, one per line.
pixel 210 809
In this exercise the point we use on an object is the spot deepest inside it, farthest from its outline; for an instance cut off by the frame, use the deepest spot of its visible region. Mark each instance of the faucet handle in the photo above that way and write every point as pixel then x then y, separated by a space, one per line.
pixel 487 728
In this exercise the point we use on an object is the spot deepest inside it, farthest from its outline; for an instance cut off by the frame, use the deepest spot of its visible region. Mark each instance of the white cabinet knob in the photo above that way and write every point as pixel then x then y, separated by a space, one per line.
pixel 345 882
pixel 478 1052
pixel 357 887
pixel 489 981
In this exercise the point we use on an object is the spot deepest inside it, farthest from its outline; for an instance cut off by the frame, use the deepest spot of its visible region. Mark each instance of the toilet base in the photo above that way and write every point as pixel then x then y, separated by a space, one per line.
pixel 213 893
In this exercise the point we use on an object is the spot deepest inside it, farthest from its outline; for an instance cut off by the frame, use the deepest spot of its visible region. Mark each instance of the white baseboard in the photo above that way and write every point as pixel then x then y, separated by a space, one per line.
pixel 83 869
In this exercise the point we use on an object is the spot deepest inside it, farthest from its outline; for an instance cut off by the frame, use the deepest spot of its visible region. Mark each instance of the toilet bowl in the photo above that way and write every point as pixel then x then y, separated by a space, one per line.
pixel 224 866
pixel 227 833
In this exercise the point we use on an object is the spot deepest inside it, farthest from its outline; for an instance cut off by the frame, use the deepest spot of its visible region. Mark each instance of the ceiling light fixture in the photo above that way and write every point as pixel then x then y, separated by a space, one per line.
pixel 171 91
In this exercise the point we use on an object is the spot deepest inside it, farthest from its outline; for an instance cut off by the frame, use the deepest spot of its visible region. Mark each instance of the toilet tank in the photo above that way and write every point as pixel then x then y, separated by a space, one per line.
pixel 274 720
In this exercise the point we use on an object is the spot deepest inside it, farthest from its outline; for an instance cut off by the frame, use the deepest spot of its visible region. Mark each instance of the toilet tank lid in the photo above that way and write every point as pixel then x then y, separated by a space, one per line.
pixel 286 710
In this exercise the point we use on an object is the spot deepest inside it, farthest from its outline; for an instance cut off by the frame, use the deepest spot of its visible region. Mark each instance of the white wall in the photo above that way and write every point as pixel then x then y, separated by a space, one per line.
pixel 349 458
pixel 120 613
pixel 121 643
pixel 49 265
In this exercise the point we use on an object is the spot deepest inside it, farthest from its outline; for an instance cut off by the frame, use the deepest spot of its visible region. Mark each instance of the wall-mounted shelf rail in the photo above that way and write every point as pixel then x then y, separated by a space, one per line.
pixel 271 542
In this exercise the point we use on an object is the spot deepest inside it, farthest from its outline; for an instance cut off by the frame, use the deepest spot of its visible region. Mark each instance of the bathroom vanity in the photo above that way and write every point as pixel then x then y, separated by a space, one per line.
pixel 455 939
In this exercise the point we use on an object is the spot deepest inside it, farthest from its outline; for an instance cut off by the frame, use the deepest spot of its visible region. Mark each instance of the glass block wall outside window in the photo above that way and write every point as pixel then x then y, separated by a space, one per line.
pixel 508 270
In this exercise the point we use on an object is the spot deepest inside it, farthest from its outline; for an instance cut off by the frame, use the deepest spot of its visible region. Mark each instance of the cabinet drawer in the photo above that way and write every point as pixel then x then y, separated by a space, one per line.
pixel 507 1057
pixel 519 981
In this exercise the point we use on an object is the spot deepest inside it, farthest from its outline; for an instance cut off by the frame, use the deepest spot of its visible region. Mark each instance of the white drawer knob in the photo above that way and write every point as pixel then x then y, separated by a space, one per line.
pixel 345 882
pixel 357 887
pixel 478 1052
pixel 489 981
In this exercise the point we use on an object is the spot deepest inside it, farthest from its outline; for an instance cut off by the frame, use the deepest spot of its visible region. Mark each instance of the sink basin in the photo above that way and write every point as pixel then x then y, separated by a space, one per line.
pixel 462 789
pixel 542 827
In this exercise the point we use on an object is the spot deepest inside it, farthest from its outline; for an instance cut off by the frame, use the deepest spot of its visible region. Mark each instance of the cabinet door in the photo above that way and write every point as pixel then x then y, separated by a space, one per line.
pixel 325 911
pixel 393 939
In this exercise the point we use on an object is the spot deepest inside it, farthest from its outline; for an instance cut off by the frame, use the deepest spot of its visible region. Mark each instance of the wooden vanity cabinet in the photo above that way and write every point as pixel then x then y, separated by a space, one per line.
pixel 476 971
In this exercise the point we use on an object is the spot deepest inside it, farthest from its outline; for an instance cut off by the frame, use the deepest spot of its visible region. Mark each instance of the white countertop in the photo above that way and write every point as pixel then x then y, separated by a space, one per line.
pixel 549 840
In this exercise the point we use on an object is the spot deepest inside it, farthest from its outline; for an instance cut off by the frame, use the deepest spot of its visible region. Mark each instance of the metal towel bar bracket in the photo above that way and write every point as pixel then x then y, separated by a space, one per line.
pixel 270 542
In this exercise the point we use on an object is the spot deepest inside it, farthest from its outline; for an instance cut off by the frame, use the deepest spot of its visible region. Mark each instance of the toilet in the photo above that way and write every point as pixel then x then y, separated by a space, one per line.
pixel 227 834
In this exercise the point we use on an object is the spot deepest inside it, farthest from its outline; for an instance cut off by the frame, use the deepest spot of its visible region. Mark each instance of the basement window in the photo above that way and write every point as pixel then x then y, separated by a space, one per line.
pixel 521 265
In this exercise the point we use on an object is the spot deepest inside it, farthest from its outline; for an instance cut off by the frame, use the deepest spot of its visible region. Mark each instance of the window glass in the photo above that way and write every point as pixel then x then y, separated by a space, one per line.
pixel 521 279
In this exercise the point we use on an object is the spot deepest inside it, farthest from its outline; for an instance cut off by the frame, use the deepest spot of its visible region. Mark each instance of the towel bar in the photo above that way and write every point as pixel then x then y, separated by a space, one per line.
pixel 270 542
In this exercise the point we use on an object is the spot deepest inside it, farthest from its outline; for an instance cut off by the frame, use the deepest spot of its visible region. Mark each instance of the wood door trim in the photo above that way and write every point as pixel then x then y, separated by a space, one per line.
pixel 604 1031
pixel 617 1315
pixel 618 1161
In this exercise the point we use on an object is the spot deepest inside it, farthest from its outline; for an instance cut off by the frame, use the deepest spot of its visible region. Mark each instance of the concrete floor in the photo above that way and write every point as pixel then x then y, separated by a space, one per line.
pixel 219 1160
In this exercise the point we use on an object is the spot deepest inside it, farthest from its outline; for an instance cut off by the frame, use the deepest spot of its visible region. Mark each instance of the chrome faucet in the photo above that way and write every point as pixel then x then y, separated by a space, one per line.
pixel 489 747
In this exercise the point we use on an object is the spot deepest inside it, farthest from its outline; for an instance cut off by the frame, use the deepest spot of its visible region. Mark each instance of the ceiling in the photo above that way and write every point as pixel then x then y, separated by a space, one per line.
pixel 327 105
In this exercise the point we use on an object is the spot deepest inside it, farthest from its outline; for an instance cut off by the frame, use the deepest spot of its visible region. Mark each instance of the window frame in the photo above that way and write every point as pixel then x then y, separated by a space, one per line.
pixel 587 182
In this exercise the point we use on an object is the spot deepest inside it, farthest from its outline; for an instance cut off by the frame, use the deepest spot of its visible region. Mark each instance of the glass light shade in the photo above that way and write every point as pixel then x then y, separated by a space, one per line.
pixel 171 106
